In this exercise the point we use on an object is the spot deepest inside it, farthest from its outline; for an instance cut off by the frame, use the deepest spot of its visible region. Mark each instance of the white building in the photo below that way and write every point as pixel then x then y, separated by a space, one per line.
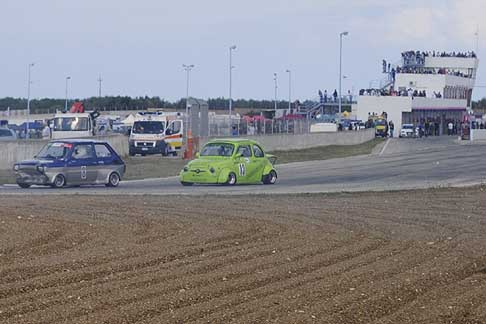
pixel 424 87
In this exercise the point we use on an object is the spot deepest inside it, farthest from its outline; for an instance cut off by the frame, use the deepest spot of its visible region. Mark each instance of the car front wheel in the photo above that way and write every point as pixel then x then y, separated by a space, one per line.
pixel 270 178
pixel 113 180
pixel 24 185
pixel 231 179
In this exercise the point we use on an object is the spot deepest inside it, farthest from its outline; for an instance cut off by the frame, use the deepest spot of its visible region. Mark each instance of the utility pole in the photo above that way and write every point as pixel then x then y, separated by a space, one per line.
pixel 188 69
pixel 231 67
pixel 290 90
pixel 99 86
pixel 276 87
pixel 66 103
pixel 477 39
pixel 340 69
pixel 29 82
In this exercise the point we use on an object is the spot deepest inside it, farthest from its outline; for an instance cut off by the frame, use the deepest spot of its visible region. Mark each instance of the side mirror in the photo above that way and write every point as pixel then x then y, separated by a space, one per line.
pixel 197 155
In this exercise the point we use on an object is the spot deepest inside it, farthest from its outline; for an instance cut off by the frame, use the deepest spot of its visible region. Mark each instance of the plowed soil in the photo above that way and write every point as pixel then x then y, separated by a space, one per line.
pixel 396 257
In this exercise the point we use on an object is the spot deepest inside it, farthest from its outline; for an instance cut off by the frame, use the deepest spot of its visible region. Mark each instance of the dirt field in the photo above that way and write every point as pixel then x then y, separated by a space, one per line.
pixel 399 257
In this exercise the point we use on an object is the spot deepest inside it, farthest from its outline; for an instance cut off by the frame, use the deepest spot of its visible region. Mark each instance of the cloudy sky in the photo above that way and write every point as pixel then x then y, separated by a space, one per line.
pixel 139 46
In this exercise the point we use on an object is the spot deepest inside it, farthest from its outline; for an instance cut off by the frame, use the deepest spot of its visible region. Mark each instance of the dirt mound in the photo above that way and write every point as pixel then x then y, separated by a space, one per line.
pixel 401 257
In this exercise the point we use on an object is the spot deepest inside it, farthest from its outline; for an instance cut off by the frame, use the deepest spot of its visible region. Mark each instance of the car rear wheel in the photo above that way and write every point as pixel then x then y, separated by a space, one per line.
pixel 59 181
pixel 231 179
pixel 113 180
pixel 186 184
pixel 24 185
pixel 270 178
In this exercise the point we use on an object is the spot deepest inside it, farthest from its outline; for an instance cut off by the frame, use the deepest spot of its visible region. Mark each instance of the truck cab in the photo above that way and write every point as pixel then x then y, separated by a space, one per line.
pixel 72 125
pixel 155 133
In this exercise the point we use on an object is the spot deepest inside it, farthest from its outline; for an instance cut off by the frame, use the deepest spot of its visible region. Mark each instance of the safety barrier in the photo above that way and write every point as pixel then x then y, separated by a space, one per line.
pixel 13 151
pixel 478 135
pixel 280 142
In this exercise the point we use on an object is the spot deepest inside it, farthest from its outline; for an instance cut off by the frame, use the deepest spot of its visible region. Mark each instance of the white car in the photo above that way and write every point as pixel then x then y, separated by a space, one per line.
pixel 7 135
pixel 408 130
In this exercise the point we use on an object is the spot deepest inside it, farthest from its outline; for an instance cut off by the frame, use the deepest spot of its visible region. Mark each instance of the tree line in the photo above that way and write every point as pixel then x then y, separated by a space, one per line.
pixel 48 105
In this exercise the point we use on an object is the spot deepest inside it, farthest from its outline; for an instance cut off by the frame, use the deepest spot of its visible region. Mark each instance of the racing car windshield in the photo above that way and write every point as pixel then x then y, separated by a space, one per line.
pixel 218 149
pixel 67 124
pixel 148 127
pixel 54 151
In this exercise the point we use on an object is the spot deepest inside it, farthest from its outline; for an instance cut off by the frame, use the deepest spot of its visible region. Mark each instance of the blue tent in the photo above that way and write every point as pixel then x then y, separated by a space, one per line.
pixel 32 125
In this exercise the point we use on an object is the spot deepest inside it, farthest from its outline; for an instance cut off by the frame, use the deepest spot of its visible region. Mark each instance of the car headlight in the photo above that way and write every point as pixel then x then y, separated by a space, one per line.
pixel 186 169
pixel 16 167
pixel 41 168
pixel 212 170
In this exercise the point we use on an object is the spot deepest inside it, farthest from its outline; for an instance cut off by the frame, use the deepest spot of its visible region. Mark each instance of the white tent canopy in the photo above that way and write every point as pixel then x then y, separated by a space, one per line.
pixel 129 120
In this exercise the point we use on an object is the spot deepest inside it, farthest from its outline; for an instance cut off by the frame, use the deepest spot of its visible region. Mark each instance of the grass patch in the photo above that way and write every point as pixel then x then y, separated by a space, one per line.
pixel 154 166
pixel 326 152
pixel 7 176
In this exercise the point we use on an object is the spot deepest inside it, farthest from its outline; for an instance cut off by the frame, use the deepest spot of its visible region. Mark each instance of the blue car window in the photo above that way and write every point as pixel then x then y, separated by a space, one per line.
pixel 102 151
pixel 83 151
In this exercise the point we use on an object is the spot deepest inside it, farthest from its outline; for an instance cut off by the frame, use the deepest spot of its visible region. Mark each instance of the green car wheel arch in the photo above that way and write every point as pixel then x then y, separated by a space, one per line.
pixel 224 175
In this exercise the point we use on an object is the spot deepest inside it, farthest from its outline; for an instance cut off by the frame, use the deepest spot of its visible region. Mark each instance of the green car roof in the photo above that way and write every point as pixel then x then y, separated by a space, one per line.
pixel 233 140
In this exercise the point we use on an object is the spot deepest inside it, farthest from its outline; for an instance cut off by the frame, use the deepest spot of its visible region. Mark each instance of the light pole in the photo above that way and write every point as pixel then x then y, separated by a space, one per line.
pixel 290 90
pixel 276 87
pixel 65 105
pixel 340 68
pixel 231 67
pixel 29 82
pixel 188 69
pixel 99 86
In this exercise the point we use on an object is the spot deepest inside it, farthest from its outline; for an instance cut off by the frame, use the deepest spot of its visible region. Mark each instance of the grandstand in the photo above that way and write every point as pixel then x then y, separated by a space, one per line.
pixel 423 86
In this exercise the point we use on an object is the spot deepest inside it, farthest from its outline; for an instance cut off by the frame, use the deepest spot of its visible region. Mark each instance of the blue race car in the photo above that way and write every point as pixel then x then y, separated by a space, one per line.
pixel 72 162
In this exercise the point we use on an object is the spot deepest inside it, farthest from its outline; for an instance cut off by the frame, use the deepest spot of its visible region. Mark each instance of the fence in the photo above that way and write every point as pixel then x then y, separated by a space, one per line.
pixel 238 126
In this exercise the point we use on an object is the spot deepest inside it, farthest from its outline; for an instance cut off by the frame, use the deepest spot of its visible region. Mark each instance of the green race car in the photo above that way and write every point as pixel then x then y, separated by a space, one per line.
pixel 229 162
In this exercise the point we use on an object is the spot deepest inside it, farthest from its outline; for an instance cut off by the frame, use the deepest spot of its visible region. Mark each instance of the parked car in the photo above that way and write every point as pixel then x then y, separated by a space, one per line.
pixel 7 134
pixel 408 130
pixel 72 162
pixel 230 162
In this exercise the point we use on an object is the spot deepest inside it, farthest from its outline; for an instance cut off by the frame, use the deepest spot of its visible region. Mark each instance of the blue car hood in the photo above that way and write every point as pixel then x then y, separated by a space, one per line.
pixel 45 162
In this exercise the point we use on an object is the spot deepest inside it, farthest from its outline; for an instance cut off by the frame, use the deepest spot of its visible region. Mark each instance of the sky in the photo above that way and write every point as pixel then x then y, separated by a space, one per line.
pixel 138 47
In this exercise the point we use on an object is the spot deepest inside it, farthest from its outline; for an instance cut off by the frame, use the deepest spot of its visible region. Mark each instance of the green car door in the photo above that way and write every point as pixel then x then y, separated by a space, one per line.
pixel 259 162
pixel 249 168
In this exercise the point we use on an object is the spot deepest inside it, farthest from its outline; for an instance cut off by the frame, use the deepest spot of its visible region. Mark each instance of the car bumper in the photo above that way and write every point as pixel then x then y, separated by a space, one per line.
pixel 147 147
pixel 146 150
pixel 408 134
pixel 205 177
pixel 33 179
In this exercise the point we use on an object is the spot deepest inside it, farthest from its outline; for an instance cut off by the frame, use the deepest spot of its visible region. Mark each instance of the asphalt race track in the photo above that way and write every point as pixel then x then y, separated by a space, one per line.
pixel 404 164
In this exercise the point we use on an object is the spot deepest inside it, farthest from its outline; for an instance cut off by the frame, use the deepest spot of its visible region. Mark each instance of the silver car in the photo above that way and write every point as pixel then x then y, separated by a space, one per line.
pixel 72 162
